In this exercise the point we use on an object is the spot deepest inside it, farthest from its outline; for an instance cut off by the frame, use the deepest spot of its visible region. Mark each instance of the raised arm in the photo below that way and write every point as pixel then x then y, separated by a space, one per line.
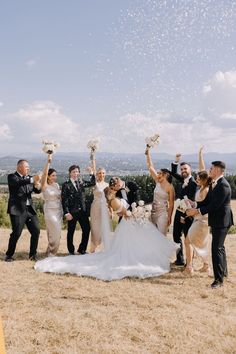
pixel 174 168
pixel 201 162
pixel 93 163
pixel 45 173
pixel 150 166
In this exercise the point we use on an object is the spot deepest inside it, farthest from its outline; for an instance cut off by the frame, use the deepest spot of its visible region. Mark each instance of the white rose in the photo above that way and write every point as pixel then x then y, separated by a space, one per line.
pixel 141 203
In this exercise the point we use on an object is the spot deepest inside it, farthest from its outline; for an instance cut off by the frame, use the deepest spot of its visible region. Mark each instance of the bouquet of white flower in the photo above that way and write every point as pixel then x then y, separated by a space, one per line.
pixel 152 141
pixel 183 204
pixel 93 146
pixel 140 212
pixel 49 146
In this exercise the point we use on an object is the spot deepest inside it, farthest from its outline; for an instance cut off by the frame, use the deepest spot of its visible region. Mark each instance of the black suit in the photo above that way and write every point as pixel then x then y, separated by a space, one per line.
pixel 189 190
pixel 73 202
pixel 220 218
pixel 21 210
pixel 130 197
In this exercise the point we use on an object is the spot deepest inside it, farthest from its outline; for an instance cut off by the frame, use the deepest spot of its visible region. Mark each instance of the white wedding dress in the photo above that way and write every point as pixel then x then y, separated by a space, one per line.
pixel 137 249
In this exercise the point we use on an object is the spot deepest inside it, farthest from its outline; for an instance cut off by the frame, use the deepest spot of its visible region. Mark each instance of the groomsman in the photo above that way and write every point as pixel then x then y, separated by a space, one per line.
pixel 182 223
pixel 74 207
pixel 21 210
pixel 220 218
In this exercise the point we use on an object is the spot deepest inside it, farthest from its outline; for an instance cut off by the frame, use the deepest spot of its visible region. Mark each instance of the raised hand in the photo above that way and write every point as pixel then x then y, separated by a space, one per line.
pixel 147 151
pixel 49 158
pixel 37 178
pixel 178 157
pixel 89 170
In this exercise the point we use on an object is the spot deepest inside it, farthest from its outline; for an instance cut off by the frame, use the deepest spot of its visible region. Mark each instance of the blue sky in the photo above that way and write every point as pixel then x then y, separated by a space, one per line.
pixel 119 70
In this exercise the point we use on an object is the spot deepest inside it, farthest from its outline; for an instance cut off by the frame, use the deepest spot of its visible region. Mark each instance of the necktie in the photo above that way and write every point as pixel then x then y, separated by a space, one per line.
pixel 76 185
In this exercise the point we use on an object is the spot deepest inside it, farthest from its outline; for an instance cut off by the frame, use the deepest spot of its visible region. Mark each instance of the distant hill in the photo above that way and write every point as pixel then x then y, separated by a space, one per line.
pixel 118 163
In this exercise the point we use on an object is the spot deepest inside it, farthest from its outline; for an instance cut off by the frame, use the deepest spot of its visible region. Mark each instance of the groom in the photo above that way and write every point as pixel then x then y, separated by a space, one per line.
pixel 74 207
pixel 182 223
pixel 220 218
pixel 127 191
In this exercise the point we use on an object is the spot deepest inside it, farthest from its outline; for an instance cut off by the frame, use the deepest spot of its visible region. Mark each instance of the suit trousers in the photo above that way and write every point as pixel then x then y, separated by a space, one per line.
pixel 219 261
pixel 83 220
pixel 178 229
pixel 29 219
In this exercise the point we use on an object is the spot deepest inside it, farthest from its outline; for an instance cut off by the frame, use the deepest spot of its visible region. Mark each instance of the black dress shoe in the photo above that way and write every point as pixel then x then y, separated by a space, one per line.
pixel 33 258
pixel 82 252
pixel 9 259
pixel 71 253
pixel 179 263
pixel 216 284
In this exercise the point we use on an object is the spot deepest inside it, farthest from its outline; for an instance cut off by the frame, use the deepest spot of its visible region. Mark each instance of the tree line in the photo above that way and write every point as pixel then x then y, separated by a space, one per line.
pixel 146 187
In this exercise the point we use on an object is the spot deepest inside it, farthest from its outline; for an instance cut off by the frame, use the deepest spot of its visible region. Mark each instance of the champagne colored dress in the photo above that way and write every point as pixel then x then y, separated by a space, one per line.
pixel 198 232
pixel 96 214
pixel 53 217
pixel 159 214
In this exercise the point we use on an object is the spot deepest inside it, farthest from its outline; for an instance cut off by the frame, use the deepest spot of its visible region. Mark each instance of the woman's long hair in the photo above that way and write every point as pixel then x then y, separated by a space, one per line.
pixel 50 172
pixel 204 178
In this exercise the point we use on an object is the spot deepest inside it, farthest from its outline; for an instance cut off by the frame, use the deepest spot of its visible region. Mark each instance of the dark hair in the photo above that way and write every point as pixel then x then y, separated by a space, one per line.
pixel 20 161
pixel 204 176
pixel 185 163
pixel 167 173
pixel 51 171
pixel 73 167
pixel 220 164
pixel 113 181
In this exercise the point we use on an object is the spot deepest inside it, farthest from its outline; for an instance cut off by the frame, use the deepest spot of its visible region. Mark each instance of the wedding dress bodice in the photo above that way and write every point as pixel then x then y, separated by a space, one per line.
pixel 98 190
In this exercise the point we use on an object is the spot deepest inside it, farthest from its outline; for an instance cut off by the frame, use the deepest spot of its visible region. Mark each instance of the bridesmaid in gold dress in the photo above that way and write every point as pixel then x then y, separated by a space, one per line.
pixel 96 211
pixel 52 207
pixel 164 196
pixel 197 238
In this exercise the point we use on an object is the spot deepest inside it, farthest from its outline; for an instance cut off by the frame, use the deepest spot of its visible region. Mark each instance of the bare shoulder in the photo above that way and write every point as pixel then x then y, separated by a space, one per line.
pixel 115 203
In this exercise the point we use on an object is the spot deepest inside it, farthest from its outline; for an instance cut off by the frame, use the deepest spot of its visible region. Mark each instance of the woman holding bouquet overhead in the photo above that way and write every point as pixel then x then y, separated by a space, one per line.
pixel 96 212
pixel 52 207
pixel 164 195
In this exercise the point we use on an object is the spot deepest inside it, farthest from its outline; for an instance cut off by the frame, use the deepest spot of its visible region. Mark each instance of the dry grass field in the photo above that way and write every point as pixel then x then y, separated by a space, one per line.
pixel 52 314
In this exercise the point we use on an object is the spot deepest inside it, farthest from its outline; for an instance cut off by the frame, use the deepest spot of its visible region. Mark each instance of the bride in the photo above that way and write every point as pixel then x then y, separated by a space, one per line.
pixel 137 249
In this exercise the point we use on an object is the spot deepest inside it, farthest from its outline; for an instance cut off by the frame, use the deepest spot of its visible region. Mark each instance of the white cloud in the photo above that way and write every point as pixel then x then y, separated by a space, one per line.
pixel 220 96
pixel 45 119
pixel 31 63
pixel 1 104
pixel 221 81
pixel 228 115
pixel 5 132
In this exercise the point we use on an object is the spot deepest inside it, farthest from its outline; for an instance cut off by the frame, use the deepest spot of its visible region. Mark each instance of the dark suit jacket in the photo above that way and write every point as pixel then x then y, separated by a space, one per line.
pixel 72 200
pixel 190 189
pixel 217 205
pixel 133 194
pixel 19 191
